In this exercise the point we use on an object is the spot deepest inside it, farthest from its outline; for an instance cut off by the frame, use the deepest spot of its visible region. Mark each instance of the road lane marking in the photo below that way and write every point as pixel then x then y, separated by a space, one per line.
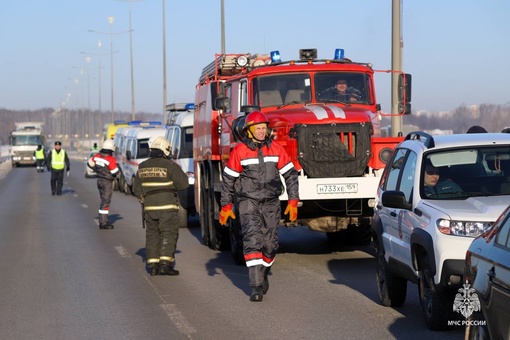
pixel 84 206
pixel 178 319
pixel 121 251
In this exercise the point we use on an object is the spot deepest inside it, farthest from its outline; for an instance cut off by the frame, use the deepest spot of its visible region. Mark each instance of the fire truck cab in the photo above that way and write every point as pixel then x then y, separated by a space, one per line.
pixel 334 141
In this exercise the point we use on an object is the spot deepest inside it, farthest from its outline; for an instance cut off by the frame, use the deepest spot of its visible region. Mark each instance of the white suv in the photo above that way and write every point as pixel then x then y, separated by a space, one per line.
pixel 422 231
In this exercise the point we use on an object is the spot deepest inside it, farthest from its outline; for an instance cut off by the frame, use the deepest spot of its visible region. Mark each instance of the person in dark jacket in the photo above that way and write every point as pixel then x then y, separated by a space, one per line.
pixel 252 174
pixel 341 92
pixel 105 166
pixel 57 162
pixel 39 158
pixel 156 184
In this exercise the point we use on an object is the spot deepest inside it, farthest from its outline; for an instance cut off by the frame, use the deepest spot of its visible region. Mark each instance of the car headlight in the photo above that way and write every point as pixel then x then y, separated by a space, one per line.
pixel 462 228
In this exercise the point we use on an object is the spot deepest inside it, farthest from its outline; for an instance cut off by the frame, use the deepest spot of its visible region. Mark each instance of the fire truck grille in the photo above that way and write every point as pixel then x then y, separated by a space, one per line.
pixel 333 150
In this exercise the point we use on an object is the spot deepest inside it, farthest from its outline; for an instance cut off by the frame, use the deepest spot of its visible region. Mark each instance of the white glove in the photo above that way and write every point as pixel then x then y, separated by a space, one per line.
pixel 68 173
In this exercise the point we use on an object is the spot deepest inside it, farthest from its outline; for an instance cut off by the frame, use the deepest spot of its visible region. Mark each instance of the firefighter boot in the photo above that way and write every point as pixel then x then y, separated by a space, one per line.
pixel 265 284
pixel 153 269
pixel 165 268
pixel 256 274
pixel 103 222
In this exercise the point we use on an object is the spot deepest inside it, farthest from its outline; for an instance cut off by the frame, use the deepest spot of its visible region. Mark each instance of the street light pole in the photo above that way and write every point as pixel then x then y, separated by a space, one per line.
pixel 88 59
pixel 99 54
pixel 99 99
pixel 111 19
pixel 131 59
pixel 164 66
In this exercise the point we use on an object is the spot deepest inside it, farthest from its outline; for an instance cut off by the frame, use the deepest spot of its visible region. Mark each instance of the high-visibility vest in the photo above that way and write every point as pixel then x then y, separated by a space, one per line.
pixel 39 154
pixel 58 159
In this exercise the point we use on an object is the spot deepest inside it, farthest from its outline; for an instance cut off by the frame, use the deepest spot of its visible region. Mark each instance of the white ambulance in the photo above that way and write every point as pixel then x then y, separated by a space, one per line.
pixel 179 133
pixel 133 149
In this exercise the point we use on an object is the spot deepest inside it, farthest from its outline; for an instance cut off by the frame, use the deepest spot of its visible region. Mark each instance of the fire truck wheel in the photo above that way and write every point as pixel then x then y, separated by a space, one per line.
pixel 236 240
pixel 115 185
pixel 183 217
pixel 204 222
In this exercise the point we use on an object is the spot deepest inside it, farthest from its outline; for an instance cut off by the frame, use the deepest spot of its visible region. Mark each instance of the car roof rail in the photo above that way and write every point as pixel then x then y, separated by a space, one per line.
pixel 428 140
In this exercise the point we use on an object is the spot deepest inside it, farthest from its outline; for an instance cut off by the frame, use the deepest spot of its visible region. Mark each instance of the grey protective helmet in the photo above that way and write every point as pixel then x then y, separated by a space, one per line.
pixel 162 144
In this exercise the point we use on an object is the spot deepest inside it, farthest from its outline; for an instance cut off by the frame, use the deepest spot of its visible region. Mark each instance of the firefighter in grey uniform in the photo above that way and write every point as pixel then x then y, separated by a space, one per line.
pixel 105 166
pixel 156 184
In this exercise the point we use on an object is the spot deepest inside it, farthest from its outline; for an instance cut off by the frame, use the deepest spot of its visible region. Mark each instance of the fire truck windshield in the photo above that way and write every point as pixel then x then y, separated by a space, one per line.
pixel 277 90
pixel 296 88
pixel 341 87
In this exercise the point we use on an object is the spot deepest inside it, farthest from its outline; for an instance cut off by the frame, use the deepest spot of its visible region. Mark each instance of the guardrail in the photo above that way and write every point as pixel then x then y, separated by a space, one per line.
pixel 4 153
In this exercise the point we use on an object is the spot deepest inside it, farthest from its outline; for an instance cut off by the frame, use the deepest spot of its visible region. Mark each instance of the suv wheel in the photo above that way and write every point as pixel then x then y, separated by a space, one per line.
pixel 392 289
pixel 435 305
pixel 476 330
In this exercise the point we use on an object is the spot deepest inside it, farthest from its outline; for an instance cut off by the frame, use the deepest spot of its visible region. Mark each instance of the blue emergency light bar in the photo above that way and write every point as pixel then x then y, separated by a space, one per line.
pixel 275 56
pixel 339 54
pixel 189 107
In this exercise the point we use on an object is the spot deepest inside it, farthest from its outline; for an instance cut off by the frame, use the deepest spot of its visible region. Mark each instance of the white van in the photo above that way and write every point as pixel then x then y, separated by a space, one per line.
pixel 179 133
pixel 134 149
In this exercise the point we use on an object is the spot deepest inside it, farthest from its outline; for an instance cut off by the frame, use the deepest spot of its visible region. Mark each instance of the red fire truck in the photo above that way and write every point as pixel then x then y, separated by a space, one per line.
pixel 335 143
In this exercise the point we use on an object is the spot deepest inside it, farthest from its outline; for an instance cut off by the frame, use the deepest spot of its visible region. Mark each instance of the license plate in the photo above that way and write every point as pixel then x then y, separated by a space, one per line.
pixel 27 158
pixel 337 188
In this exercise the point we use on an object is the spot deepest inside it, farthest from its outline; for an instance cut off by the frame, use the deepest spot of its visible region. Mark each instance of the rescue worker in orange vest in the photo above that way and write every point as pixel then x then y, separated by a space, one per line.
pixel 252 174
pixel 156 184
pixel 57 162
pixel 105 166
pixel 39 158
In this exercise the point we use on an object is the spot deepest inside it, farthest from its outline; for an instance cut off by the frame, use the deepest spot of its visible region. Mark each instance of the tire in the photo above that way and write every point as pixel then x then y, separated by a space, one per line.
pixel 392 290
pixel 477 331
pixel 127 189
pixel 436 306
pixel 219 236
pixel 183 217
pixel 236 240
pixel 121 183
pixel 115 185
pixel 204 222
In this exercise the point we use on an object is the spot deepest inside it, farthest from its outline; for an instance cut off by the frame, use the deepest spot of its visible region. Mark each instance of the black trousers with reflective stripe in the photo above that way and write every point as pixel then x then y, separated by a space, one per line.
pixel 105 187
pixel 161 233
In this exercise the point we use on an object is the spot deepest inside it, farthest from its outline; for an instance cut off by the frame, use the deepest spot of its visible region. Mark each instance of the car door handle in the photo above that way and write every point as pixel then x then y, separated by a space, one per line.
pixel 491 274
pixel 393 214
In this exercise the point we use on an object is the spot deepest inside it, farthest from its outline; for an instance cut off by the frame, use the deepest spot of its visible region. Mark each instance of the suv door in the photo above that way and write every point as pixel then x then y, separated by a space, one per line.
pixel 396 221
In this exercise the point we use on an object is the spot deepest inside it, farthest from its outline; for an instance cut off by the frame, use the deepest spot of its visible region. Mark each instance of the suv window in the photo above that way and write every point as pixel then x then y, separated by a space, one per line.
pixel 469 172
pixel 394 169
pixel 408 173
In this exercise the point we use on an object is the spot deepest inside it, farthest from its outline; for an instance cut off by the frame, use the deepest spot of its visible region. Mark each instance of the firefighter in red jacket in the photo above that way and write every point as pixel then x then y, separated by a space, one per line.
pixel 105 166
pixel 252 174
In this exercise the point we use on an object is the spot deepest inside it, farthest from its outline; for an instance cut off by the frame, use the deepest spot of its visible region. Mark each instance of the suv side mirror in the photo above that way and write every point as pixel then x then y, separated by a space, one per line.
pixel 395 199
pixel 128 155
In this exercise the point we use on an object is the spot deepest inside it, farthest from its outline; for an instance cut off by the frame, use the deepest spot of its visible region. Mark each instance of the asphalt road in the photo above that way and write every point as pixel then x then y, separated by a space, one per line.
pixel 63 278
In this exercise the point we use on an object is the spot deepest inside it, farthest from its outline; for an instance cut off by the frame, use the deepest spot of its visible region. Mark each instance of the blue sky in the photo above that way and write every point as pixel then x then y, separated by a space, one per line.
pixel 457 51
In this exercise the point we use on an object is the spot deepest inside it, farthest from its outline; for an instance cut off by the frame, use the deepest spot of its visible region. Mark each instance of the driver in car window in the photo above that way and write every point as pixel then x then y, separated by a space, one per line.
pixel 341 92
pixel 432 186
